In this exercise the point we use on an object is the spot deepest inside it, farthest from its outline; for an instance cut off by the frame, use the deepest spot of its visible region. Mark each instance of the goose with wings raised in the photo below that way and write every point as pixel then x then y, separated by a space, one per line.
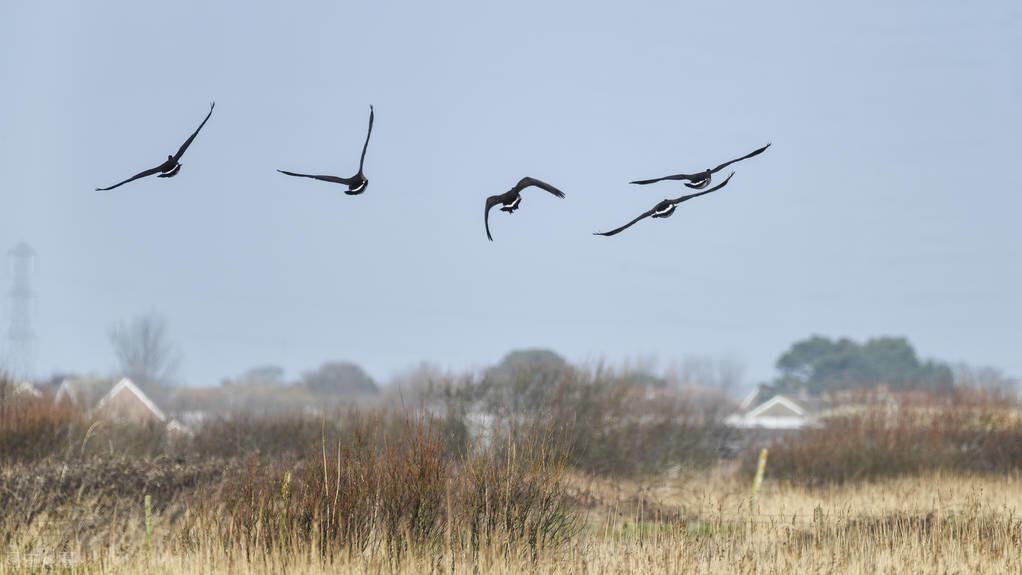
pixel 510 199
pixel 665 208
pixel 700 180
pixel 357 183
pixel 172 166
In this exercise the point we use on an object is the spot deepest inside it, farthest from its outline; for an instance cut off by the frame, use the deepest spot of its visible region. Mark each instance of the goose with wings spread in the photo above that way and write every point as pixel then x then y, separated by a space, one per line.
pixel 665 208
pixel 172 166
pixel 357 183
pixel 700 180
pixel 510 199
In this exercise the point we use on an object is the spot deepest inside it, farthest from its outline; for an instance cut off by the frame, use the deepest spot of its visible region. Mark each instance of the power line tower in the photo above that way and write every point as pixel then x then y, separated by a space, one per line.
pixel 20 338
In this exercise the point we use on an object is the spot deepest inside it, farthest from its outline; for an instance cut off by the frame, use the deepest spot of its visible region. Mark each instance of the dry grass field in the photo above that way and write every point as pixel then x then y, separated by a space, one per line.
pixel 928 524
pixel 934 490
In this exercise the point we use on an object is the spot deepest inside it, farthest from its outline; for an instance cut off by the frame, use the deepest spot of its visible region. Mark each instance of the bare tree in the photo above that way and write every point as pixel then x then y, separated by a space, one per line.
pixel 723 373
pixel 144 351
pixel 982 377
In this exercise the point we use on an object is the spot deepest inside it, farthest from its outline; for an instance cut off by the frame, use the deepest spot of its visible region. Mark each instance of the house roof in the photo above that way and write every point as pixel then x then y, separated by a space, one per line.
pixel 83 392
pixel 125 385
pixel 760 400
pixel 780 411
pixel 750 399
pixel 779 401
pixel 24 388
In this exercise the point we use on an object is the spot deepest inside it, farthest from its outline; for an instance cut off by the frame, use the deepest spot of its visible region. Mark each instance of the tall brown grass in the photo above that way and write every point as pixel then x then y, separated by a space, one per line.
pixel 613 422
pixel 34 428
pixel 374 480
pixel 393 484
pixel 969 432
pixel 932 523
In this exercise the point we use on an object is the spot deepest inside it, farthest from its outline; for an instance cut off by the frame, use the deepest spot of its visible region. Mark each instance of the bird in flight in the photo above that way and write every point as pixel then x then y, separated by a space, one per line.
pixel 357 183
pixel 510 199
pixel 172 166
pixel 700 180
pixel 665 208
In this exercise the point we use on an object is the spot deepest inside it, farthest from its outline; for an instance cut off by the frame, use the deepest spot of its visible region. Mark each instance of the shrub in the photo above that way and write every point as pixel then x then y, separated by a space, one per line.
pixel 32 428
pixel 613 423
pixel 970 431
pixel 387 481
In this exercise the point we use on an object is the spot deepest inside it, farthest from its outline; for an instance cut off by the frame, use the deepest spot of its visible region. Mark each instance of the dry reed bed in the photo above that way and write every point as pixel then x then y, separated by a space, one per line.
pixel 936 523
pixel 934 488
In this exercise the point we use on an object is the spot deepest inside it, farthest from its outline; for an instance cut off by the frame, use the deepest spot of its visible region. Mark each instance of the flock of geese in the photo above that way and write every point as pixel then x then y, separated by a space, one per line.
pixel 509 201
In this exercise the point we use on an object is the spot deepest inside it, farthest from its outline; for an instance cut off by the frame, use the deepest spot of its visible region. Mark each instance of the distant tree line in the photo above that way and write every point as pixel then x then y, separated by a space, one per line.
pixel 523 379
pixel 818 365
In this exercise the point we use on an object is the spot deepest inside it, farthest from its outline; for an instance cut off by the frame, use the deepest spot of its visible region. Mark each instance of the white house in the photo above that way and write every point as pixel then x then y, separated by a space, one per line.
pixel 778 412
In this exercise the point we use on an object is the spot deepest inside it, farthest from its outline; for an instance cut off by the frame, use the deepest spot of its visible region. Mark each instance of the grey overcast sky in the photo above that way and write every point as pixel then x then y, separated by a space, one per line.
pixel 890 202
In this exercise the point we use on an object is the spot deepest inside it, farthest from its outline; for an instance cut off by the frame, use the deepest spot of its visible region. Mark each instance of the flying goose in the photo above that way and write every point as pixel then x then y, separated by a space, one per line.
pixel 357 183
pixel 172 166
pixel 665 208
pixel 700 180
pixel 511 198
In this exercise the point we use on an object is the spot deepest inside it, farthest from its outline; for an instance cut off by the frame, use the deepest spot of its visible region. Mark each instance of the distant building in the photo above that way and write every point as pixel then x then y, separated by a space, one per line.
pixel 82 393
pixel 779 412
pixel 120 401
pixel 126 402
pixel 26 390
pixel 13 393
pixel 177 429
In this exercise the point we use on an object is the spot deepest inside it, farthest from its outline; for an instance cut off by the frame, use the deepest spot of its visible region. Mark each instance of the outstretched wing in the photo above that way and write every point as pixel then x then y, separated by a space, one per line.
pixel 149 172
pixel 704 192
pixel 188 142
pixel 689 177
pixel 365 146
pixel 490 202
pixel 331 179
pixel 745 157
pixel 628 225
pixel 527 181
